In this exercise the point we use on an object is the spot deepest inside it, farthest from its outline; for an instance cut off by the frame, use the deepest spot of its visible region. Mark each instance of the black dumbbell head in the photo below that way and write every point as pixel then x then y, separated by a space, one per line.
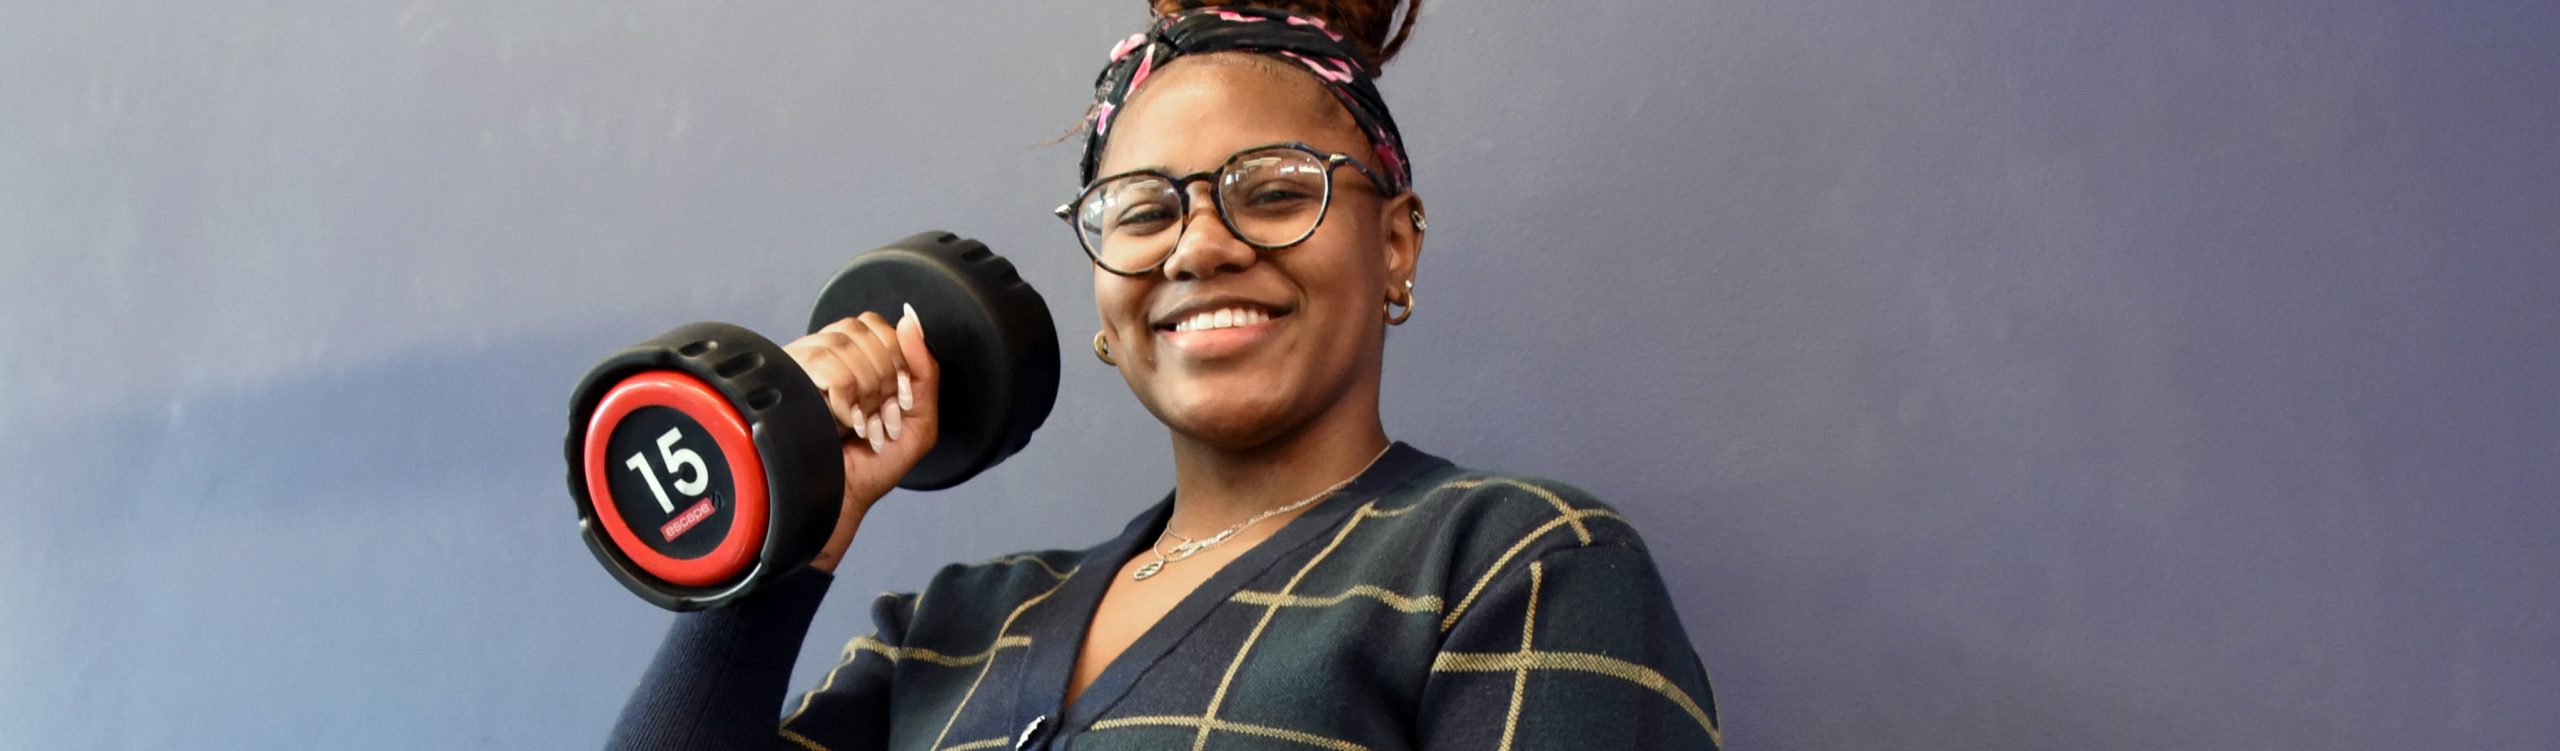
pixel 990 331
pixel 703 462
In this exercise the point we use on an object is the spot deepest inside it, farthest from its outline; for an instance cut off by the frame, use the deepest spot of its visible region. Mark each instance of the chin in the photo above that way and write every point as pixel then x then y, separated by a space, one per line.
pixel 1224 419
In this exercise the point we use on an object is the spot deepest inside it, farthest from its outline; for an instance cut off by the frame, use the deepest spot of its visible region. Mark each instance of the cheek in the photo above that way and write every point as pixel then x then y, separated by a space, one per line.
pixel 1352 269
pixel 1114 298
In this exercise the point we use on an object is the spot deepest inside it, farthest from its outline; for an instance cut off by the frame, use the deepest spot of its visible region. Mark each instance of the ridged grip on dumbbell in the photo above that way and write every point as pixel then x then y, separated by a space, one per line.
pixel 793 434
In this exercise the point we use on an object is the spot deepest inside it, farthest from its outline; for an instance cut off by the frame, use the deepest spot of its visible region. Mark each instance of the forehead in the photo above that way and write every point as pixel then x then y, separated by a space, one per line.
pixel 1194 113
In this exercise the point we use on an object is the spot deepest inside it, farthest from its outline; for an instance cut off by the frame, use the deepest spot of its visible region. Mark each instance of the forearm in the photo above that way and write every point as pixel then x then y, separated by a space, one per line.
pixel 719 679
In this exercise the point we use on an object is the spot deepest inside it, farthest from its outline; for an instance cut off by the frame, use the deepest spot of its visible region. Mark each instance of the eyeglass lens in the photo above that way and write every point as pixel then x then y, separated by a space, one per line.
pixel 1269 198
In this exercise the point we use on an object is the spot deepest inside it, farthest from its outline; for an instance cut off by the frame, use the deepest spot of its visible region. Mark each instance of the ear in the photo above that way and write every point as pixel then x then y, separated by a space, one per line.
pixel 1404 238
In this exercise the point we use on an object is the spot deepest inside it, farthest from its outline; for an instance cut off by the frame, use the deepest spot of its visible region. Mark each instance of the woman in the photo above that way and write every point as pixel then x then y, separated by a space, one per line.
pixel 1249 215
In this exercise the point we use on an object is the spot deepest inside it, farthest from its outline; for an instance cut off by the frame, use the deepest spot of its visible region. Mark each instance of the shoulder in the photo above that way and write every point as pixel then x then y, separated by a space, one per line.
pixel 983 589
pixel 1454 530
pixel 1031 569
pixel 1524 514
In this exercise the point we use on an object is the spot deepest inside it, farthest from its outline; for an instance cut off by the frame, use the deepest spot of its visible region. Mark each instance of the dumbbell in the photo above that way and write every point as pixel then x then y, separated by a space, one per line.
pixel 705 463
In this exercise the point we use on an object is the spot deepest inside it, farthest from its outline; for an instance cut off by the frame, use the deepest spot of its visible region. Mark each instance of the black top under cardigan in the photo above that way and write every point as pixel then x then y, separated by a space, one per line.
pixel 1424 606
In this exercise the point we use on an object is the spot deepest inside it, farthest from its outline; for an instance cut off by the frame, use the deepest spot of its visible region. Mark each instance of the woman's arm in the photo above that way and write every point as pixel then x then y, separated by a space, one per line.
pixel 719 679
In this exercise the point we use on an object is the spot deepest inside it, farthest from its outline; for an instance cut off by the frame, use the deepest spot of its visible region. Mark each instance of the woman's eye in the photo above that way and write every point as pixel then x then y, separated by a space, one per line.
pixel 1279 194
pixel 1143 219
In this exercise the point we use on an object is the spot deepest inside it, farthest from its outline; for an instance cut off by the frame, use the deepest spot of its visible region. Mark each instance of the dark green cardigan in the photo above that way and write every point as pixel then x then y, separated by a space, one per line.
pixel 1425 606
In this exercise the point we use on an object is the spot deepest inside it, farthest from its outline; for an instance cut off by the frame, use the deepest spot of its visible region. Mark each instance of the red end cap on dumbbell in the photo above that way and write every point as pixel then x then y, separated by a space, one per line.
pixel 676 480
pixel 703 462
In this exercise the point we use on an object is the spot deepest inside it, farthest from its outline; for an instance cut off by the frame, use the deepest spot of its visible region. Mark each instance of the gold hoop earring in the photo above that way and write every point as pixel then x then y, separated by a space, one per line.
pixel 1102 350
pixel 1398 317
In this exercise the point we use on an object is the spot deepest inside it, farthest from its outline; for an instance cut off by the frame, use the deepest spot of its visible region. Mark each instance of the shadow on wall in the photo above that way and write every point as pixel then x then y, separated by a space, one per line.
pixel 391 538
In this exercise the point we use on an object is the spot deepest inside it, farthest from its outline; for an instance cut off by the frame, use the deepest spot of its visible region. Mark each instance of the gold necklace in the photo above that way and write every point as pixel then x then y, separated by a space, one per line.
pixel 1190 547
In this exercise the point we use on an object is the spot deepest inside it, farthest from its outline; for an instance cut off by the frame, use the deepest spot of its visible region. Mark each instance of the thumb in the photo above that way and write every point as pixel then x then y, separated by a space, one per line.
pixel 925 374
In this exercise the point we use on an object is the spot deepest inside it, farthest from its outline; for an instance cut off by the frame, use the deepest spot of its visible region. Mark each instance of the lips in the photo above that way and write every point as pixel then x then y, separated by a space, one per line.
pixel 1215 329
pixel 1215 314
pixel 1222 318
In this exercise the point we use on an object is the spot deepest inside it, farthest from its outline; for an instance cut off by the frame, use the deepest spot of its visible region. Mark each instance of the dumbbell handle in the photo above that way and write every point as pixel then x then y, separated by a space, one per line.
pixel 902 427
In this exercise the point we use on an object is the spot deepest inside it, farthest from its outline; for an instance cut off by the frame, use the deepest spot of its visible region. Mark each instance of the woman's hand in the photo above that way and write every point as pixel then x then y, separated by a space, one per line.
pixel 885 390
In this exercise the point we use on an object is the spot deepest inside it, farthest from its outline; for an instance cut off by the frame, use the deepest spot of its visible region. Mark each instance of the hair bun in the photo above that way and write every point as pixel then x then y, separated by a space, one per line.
pixel 1370 25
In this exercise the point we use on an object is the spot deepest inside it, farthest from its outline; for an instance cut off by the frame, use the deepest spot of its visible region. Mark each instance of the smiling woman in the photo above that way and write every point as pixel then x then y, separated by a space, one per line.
pixel 1249 211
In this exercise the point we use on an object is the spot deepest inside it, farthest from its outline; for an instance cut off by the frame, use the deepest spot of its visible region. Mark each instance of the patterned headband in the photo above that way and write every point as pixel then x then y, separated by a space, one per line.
pixel 1278 34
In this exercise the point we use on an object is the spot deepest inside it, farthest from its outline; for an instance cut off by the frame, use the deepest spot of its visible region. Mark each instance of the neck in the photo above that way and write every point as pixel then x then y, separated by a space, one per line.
pixel 1217 487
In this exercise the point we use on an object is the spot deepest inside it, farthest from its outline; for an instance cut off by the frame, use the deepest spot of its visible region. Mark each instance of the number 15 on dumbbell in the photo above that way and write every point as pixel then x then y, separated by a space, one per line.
pixel 704 462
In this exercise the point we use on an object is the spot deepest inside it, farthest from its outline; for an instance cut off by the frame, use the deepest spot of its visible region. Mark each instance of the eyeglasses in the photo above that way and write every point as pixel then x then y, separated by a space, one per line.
pixel 1270 197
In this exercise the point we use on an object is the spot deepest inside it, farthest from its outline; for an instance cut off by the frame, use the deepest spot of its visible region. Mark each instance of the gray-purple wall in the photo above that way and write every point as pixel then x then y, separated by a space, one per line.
pixel 1984 374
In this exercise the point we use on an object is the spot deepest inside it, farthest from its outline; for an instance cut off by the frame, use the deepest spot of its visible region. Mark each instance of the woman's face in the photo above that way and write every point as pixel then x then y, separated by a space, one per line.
pixel 1314 352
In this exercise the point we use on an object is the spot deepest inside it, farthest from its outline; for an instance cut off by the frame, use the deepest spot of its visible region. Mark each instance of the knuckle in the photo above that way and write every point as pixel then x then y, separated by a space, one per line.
pixel 880 327
pixel 886 362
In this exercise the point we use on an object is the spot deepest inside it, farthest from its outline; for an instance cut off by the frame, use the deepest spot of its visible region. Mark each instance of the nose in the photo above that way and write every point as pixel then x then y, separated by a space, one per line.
pixel 1207 248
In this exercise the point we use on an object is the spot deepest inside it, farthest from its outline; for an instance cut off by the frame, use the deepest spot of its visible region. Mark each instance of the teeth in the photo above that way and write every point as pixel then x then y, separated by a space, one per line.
pixel 1223 318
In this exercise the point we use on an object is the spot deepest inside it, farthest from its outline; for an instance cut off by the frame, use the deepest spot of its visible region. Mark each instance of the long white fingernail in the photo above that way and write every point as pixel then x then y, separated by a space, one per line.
pixel 897 421
pixel 857 423
pixel 906 393
pixel 907 312
pixel 876 442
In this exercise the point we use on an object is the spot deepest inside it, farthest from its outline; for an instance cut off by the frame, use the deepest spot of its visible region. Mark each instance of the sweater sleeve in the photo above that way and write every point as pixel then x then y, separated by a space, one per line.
pixel 849 709
pixel 721 674
pixel 1576 648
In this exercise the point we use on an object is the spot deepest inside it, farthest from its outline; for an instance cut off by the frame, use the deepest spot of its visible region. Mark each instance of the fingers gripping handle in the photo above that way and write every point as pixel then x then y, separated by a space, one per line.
pixel 989 331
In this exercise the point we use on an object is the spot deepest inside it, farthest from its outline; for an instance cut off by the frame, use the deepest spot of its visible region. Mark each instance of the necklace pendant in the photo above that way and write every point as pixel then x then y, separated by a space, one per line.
pixel 1147 570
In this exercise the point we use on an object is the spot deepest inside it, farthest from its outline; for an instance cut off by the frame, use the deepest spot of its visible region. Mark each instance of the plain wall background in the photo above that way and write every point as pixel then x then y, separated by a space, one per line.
pixel 1984 374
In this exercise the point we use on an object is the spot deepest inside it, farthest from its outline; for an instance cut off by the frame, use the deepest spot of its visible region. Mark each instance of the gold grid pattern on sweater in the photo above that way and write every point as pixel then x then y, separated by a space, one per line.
pixel 1522 664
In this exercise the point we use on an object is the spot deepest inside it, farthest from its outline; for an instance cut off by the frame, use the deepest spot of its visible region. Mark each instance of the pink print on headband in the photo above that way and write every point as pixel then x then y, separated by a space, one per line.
pixel 1318 23
pixel 1330 69
pixel 1387 155
pixel 1122 49
pixel 1146 64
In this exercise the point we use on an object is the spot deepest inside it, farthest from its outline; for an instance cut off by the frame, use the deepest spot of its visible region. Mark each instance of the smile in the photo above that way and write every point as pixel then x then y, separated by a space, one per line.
pixel 1219 332
pixel 1222 318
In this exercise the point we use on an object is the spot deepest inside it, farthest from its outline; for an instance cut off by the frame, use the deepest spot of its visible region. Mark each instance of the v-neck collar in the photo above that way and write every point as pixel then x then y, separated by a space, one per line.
pixel 1058 631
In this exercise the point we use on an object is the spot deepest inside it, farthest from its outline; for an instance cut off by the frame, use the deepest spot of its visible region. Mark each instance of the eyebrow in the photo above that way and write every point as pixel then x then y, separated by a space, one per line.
pixel 1160 167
